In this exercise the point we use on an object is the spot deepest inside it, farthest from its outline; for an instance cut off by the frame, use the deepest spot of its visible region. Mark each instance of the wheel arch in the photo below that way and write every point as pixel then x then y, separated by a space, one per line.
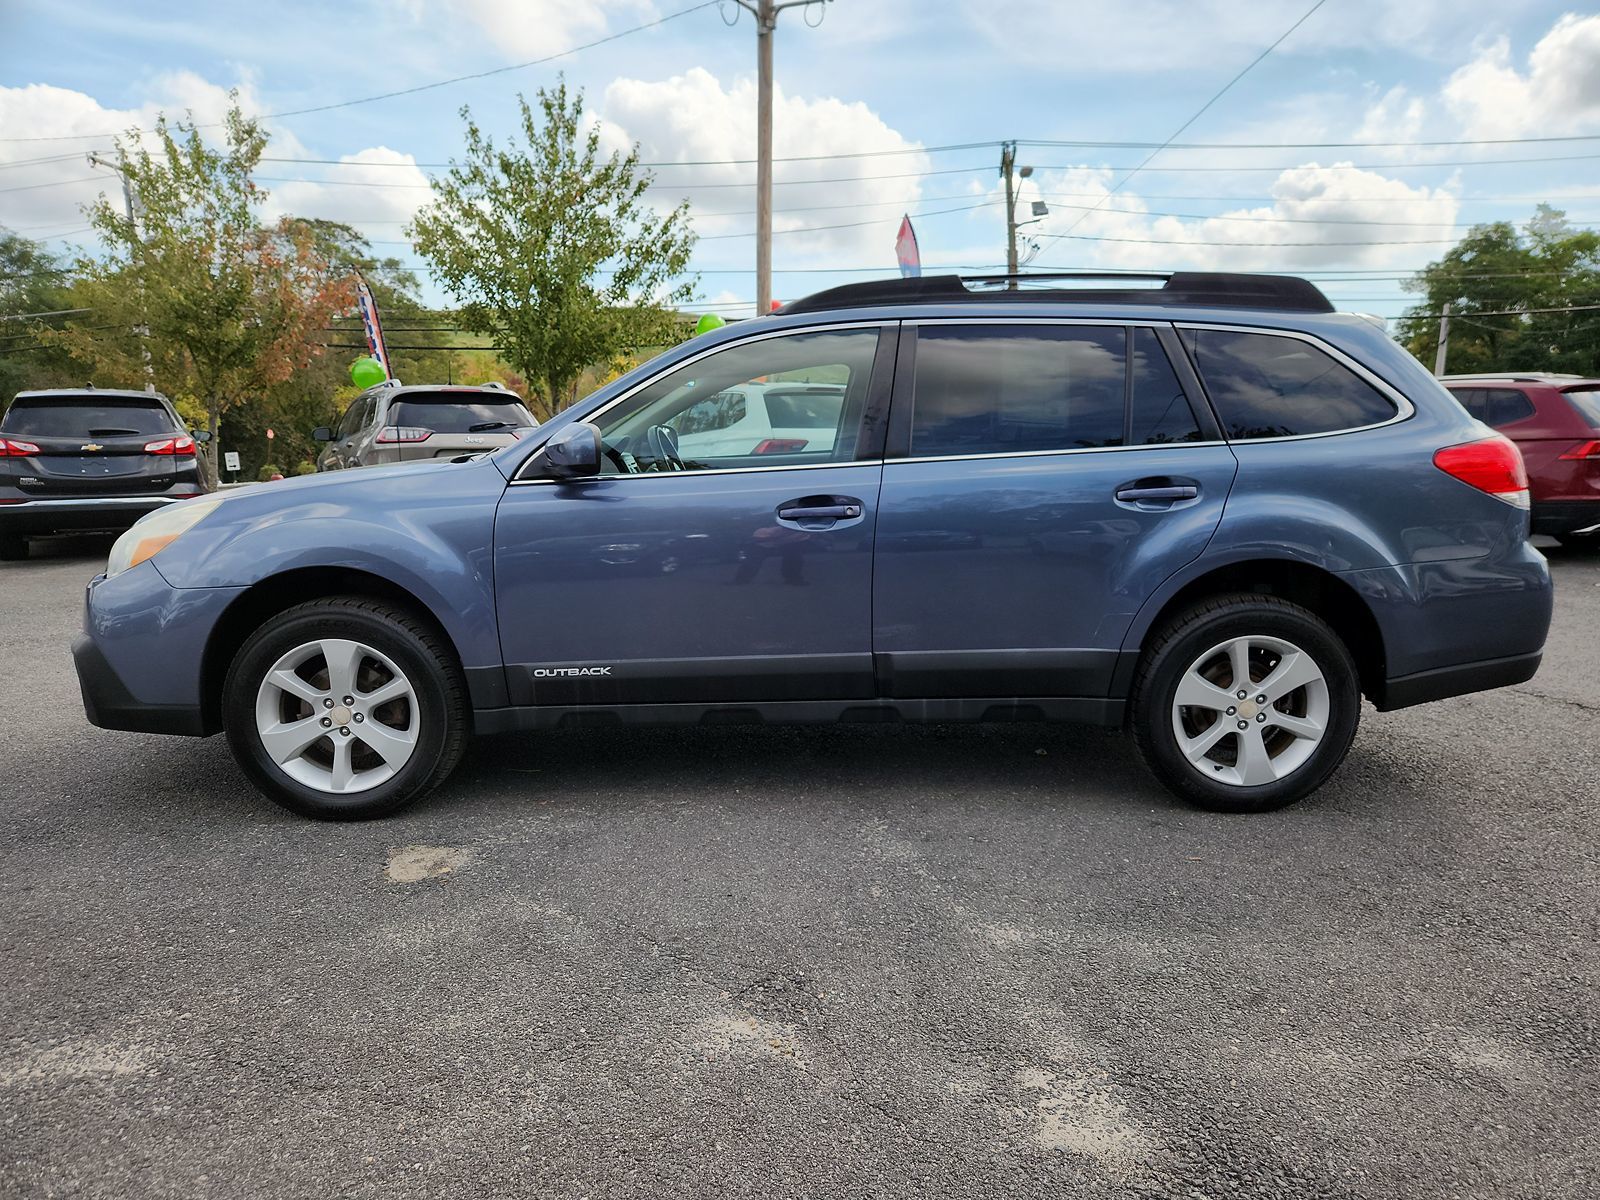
pixel 1320 591
pixel 274 594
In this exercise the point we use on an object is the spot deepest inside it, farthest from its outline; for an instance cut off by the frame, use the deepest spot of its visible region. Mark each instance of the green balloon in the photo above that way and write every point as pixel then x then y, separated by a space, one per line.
pixel 708 322
pixel 367 372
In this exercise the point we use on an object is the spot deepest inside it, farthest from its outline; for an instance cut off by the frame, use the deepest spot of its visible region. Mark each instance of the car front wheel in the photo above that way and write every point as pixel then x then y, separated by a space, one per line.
pixel 1245 703
pixel 345 709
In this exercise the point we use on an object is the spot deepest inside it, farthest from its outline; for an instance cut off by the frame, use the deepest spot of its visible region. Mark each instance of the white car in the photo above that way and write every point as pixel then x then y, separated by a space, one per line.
pixel 761 418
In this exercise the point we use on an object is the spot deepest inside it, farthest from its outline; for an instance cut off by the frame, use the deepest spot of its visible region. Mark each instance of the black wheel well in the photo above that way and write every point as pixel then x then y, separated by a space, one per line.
pixel 1322 592
pixel 278 593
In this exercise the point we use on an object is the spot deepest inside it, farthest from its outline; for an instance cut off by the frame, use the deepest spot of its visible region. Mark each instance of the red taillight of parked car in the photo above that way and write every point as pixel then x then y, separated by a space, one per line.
pixel 182 447
pixel 1583 450
pixel 390 434
pixel 781 446
pixel 1492 464
pixel 11 448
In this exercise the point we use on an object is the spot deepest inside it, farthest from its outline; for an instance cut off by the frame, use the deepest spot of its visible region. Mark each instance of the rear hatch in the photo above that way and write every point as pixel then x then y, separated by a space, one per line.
pixel 451 422
pixel 66 447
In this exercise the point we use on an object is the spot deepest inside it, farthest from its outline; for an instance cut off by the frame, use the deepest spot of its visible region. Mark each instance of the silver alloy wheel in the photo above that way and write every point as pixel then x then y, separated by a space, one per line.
pixel 1250 711
pixel 337 716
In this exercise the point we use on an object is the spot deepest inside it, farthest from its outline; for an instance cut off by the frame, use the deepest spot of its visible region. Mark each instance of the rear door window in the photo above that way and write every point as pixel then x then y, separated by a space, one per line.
pixel 1506 406
pixel 444 413
pixel 1010 389
pixel 1160 412
pixel 91 416
pixel 1269 385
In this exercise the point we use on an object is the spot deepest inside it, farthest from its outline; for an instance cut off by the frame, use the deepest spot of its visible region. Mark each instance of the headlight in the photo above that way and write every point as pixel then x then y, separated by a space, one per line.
pixel 154 532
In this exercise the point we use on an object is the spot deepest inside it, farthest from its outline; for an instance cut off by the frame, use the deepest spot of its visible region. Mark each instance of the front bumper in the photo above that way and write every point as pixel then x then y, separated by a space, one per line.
pixel 80 514
pixel 141 656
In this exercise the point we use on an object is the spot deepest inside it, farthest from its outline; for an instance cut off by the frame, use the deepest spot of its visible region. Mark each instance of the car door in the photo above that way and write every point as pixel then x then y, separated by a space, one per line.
pixel 723 575
pixel 1042 480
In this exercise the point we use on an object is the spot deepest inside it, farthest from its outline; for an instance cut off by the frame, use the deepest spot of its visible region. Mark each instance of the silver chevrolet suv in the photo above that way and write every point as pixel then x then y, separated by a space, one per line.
pixel 394 423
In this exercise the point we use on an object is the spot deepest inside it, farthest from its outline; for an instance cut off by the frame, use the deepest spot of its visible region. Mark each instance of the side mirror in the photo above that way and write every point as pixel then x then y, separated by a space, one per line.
pixel 574 453
pixel 322 434
pixel 201 436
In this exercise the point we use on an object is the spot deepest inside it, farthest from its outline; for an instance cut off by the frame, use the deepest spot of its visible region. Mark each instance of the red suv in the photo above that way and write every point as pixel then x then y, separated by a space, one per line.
pixel 1555 422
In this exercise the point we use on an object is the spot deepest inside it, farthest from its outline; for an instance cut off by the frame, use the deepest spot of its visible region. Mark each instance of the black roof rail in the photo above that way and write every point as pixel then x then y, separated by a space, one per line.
pixel 1215 289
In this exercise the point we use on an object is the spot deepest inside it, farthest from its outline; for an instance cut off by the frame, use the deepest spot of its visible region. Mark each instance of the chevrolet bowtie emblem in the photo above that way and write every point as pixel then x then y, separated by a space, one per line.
pixel 91 446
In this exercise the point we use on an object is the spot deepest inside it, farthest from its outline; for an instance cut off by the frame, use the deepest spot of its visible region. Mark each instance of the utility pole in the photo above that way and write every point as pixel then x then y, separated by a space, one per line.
pixel 121 168
pixel 766 14
pixel 1008 162
pixel 1444 340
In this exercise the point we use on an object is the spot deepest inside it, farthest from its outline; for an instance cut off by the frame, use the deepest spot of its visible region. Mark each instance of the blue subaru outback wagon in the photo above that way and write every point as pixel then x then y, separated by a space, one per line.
pixel 1212 511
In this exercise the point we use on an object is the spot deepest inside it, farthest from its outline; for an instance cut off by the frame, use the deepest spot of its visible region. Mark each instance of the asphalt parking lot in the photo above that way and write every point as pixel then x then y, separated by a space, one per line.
pixel 803 962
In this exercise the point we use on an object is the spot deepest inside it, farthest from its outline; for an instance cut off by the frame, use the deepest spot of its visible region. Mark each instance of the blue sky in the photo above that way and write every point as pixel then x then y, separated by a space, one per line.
pixel 885 81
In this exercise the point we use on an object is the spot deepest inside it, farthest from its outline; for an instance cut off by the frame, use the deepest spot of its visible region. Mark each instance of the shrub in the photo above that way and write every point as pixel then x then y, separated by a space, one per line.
pixel 268 471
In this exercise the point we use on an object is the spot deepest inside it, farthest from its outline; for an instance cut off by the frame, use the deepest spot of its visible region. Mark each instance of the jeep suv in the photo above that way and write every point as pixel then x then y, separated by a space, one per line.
pixel 86 460
pixel 1213 512
pixel 394 423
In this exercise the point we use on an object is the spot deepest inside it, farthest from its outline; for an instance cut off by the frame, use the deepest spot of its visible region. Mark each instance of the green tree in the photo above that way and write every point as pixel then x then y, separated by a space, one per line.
pixel 231 308
pixel 1502 285
pixel 524 239
pixel 32 281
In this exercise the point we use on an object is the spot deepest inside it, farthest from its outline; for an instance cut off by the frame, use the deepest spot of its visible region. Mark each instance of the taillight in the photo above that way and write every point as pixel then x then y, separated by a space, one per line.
pixel 183 447
pixel 1492 464
pixel 1584 450
pixel 390 434
pixel 780 446
pixel 11 448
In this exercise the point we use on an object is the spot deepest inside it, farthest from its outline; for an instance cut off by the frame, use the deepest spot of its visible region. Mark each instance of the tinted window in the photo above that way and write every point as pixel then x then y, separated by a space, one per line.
pixel 1266 386
pixel 991 389
pixel 837 363
pixel 355 416
pixel 1587 402
pixel 1161 411
pixel 1507 405
pixel 1472 399
pixel 91 417
pixel 810 408
pixel 443 414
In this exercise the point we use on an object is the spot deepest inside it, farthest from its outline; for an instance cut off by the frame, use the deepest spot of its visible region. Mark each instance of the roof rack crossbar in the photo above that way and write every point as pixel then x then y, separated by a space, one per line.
pixel 1215 289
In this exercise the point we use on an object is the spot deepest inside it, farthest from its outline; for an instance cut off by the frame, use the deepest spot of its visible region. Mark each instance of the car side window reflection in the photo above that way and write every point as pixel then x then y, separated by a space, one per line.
pixel 772 401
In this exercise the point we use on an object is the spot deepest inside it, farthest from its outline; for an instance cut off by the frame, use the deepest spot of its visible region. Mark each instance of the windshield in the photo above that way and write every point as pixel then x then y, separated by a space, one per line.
pixel 444 415
pixel 1587 402
pixel 67 417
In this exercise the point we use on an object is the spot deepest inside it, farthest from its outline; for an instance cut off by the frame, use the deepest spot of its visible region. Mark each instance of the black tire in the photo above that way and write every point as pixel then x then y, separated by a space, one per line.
pixel 13 547
pixel 1175 648
pixel 428 663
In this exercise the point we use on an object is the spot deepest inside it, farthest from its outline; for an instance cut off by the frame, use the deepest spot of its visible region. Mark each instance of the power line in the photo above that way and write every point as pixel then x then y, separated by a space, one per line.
pixel 410 91
pixel 1304 17
pixel 1170 145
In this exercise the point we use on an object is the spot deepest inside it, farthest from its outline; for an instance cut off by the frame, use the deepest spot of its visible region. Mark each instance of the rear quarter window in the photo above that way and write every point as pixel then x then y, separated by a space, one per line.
pixel 1587 402
pixel 89 417
pixel 1267 385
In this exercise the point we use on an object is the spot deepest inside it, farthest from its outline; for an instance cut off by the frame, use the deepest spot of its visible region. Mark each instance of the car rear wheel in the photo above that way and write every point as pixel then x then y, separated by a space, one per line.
pixel 1245 704
pixel 345 709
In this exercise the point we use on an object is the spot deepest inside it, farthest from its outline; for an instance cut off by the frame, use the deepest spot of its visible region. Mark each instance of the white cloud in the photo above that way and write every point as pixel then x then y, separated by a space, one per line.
pixel 398 188
pixel 693 118
pixel 534 28
pixel 1314 216
pixel 1559 93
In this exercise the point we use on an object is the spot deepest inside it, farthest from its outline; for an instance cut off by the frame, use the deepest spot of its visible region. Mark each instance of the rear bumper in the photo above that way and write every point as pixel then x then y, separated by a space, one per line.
pixel 1566 516
pixel 1444 682
pixel 79 515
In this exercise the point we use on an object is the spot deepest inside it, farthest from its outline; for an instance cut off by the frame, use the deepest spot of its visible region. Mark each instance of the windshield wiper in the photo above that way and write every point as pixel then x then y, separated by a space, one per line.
pixel 485 426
